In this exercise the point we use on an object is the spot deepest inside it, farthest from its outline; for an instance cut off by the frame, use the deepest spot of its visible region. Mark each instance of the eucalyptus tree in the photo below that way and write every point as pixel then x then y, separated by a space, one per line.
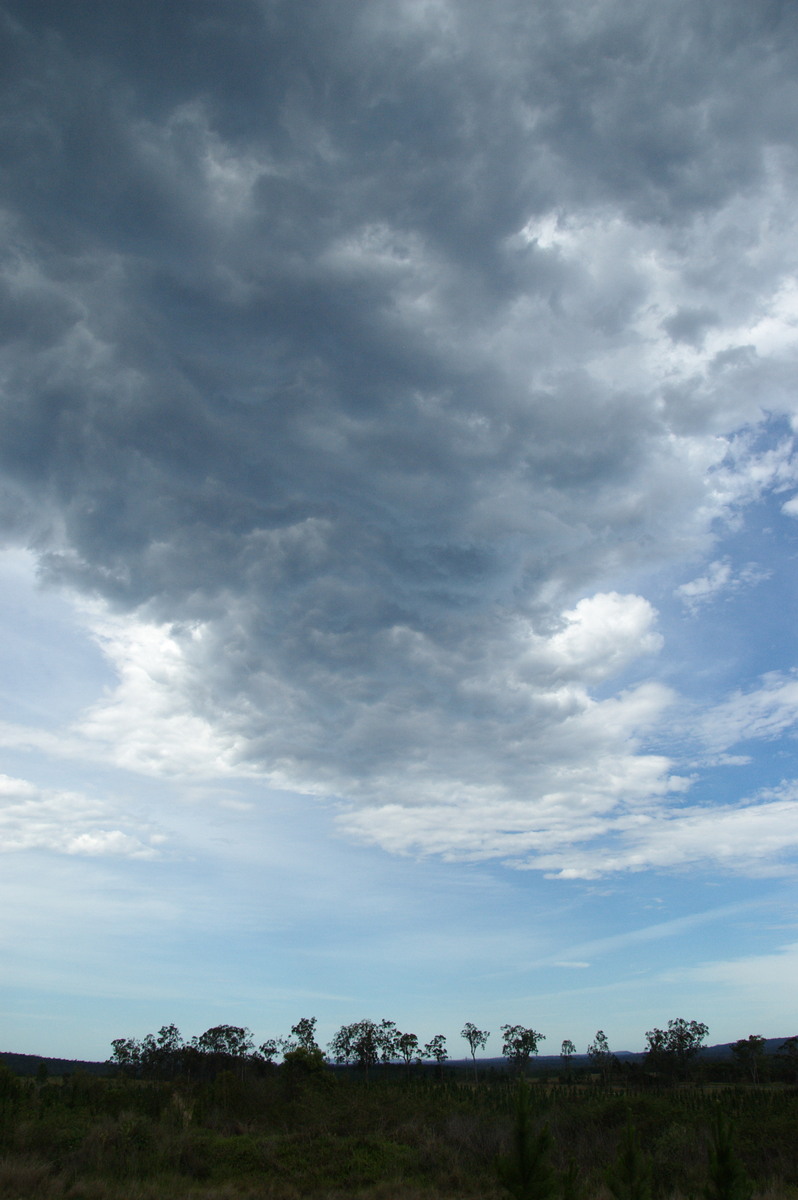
pixel 302 1037
pixel 227 1041
pixel 225 1047
pixel 672 1050
pixel 601 1057
pixel 567 1051
pixel 364 1044
pixel 436 1048
pixel 305 1033
pixel 476 1038
pixel 356 1044
pixel 168 1052
pixel 408 1048
pixel 387 1040
pixel 519 1043
pixel 160 1056
pixel 750 1054
pixel 126 1055
pixel 269 1049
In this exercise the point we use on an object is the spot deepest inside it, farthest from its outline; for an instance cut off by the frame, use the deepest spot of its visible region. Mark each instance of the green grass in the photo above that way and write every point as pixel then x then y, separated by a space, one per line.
pixel 278 1137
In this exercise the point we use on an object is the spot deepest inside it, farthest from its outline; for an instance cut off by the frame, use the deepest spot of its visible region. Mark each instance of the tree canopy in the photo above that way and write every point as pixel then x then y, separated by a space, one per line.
pixel 672 1049
pixel 519 1043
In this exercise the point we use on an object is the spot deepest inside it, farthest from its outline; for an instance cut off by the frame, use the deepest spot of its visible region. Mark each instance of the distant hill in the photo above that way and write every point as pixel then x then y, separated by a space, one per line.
pixel 553 1062
pixel 540 1062
pixel 772 1046
pixel 29 1064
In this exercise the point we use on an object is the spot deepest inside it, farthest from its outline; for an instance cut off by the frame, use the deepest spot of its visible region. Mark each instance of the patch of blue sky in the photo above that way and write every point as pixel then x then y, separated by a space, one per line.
pixel 50 668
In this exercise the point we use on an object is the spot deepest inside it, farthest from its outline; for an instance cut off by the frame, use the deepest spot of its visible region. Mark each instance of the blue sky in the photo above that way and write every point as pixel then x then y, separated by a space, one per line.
pixel 398 518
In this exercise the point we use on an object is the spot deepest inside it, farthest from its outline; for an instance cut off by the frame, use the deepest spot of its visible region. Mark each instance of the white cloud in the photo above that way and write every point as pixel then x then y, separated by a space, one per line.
pixel 764 712
pixel 675 927
pixel 33 818
pixel 759 988
pixel 699 591
pixel 600 636
pixel 589 834
pixel 583 777
pixel 761 973
pixel 150 721
pixel 754 838
pixel 720 578
pixel 578 796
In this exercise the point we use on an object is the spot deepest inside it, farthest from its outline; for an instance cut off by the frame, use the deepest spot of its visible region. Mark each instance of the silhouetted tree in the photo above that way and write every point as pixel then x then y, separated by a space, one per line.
pixel 269 1049
pixel 519 1043
pixel 672 1050
pixel 567 1051
pixel 601 1057
pixel 364 1043
pixel 126 1055
pixel 387 1039
pixel 230 1041
pixel 305 1033
pixel 750 1054
pixel 436 1048
pixel 303 1036
pixel 224 1048
pixel 407 1045
pixel 168 1052
pixel 476 1038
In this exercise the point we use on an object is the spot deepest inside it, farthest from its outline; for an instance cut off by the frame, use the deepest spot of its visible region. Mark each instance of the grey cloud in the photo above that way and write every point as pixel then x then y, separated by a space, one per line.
pixel 690 324
pixel 280 357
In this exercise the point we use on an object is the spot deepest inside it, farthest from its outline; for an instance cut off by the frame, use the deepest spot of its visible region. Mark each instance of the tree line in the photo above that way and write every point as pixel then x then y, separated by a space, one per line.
pixel 366 1044
pixel 363 1044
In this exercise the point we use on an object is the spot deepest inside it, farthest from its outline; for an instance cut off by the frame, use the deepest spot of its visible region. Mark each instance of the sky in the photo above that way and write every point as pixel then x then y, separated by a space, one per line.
pixel 398 518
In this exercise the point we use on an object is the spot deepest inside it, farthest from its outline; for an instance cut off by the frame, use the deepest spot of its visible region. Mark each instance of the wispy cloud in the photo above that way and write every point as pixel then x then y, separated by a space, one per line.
pixel 764 712
pixel 756 980
pixel 719 579
pixel 68 823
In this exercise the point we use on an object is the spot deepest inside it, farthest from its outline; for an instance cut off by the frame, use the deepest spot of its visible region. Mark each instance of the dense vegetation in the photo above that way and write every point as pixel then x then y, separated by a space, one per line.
pixel 213 1124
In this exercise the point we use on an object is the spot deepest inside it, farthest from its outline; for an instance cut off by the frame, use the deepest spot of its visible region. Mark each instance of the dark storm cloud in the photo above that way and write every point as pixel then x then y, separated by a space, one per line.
pixel 326 325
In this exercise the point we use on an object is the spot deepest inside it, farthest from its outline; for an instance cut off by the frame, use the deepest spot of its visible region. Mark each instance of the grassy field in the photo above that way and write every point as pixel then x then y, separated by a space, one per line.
pixel 410 1137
